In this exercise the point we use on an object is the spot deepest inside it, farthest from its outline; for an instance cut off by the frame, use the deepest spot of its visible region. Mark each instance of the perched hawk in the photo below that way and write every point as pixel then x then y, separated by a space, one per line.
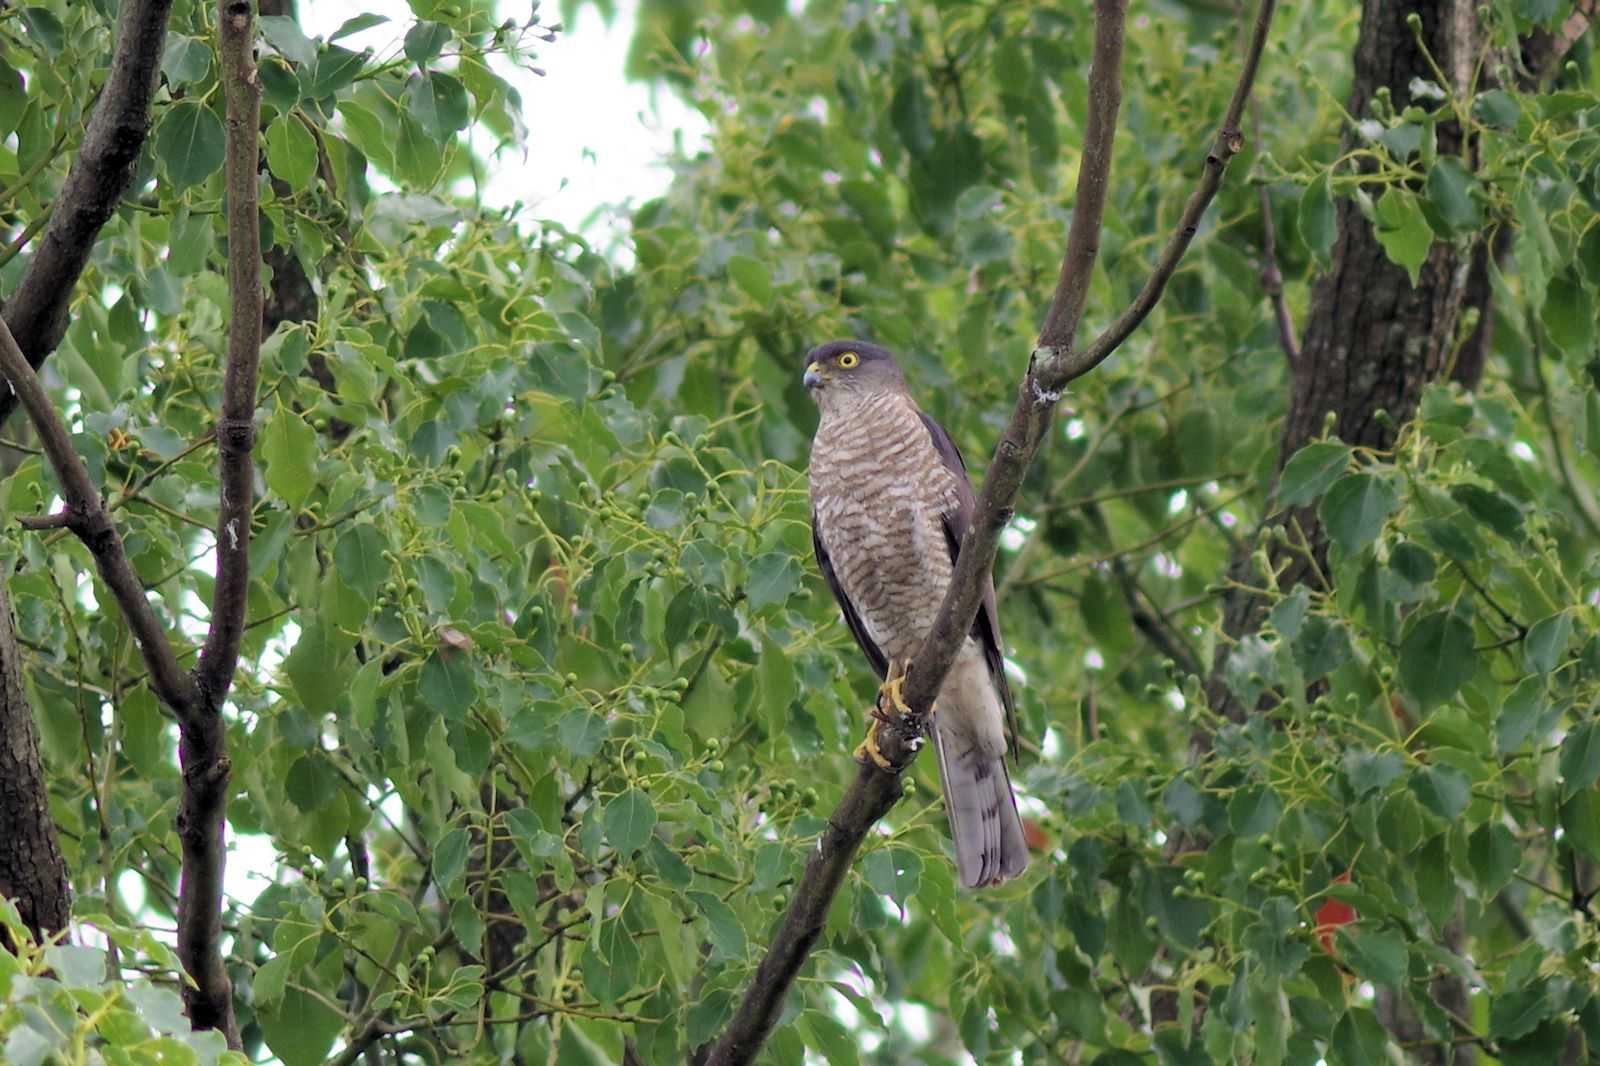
pixel 890 502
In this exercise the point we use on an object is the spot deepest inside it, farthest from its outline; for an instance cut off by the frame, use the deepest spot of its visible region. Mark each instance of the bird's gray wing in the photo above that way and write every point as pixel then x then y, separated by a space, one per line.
pixel 858 629
pixel 986 626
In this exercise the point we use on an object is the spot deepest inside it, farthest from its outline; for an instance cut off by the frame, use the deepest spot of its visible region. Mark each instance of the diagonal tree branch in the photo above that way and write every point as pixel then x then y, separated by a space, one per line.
pixel 100 176
pixel 1054 363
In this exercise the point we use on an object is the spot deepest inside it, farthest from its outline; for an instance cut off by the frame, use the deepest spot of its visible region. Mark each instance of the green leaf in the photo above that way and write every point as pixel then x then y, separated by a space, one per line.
pixel 291 151
pixel 1580 818
pixel 629 820
pixel 450 859
pixel 439 104
pixel 283 33
pixel 1403 231
pixel 1321 647
pixel 364 21
pixel 1288 614
pixel 722 924
pixel 1444 790
pixel 448 684
pixel 1355 509
pixel 1368 771
pixel 835 1043
pixel 418 156
pixel 1493 855
pixel 270 981
pixel 1254 810
pixel 301 1030
pixel 561 370
pixel 1453 191
pixel 778 685
pixel 318 667
pixel 289 451
pixel 1568 315
pixel 189 143
pixel 1492 509
pixel 910 114
pixel 425 40
pixel 870 204
pixel 1359 1038
pixel 752 276
pixel 1378 956
pixel 895 872
pixel 1437 658
pixel 359 556
pixel 774 577
pixel 1317 218
pixel 312 782
pixel 1311 470
pixel 1518 1011
pixel 44 27
pixel 1132 806
pixel 1519 714
pixel 335 68
pixel 1580 758
pixel 1184 801
pixel 185 60
pixel 1546 643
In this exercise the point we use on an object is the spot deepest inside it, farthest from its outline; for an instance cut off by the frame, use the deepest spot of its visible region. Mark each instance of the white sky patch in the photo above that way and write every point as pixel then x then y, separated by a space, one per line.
pixel 1073 429
pixel 1015 535
pixel 1050 746
pixel 593 138
pixel 1015 672
pixel 916 1021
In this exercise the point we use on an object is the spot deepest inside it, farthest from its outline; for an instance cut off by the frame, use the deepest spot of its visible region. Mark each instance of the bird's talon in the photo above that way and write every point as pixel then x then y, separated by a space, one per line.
pixel 868 748
pixel 892 691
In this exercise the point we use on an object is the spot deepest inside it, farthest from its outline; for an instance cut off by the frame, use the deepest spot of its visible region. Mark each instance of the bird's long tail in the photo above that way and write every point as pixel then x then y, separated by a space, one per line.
pixel 969 736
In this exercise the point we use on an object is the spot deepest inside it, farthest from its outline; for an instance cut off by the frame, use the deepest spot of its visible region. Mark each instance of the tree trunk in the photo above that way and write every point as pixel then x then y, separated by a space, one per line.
pixel 33 874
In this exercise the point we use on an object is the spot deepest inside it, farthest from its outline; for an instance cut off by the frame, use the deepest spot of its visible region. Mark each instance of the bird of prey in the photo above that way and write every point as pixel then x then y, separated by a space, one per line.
pixel 890 502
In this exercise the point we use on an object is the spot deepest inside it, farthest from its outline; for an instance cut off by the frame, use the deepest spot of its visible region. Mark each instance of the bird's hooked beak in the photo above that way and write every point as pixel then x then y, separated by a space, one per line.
pixel 815 377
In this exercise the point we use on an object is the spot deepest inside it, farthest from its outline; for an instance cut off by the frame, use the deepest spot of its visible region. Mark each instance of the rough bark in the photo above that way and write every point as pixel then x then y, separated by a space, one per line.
pixel 33 875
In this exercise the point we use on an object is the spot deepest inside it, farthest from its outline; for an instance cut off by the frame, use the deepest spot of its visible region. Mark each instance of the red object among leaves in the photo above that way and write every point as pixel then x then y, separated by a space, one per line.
pixel 1034 836
pixel 1332 914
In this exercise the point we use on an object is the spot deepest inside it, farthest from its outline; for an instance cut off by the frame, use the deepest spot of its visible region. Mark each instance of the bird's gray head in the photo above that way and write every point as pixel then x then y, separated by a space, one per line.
pixel 841 371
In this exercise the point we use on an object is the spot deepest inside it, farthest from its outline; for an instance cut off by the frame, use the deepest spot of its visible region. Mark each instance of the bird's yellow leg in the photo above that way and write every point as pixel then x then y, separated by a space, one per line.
pixel 890 705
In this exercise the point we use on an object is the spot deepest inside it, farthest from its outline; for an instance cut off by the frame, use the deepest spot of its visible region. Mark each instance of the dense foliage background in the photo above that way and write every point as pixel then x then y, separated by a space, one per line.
pixel 543 703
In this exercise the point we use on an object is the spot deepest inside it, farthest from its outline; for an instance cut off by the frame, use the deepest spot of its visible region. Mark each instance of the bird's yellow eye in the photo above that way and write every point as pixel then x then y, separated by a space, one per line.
pixel 849 359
